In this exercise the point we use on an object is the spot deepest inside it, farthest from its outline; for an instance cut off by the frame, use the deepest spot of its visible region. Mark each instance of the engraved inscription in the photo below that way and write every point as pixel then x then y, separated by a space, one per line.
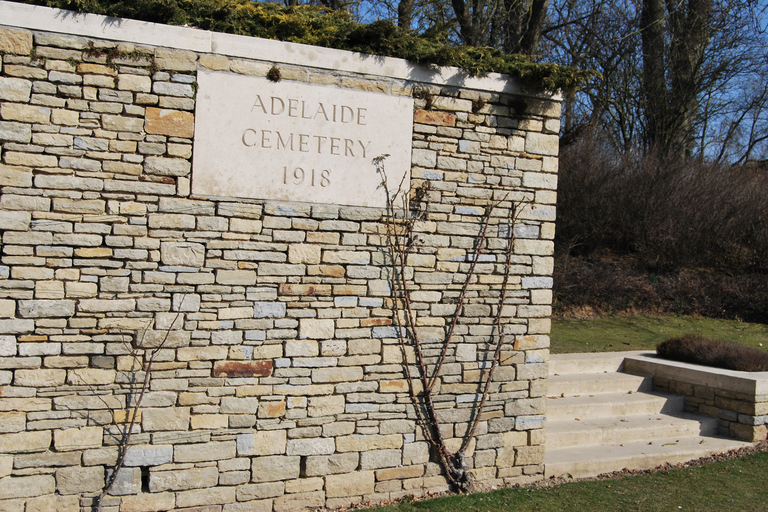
pixel 297 142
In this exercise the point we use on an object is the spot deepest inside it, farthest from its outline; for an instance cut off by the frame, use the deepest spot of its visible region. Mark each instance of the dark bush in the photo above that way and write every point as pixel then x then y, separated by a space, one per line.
pixel 696 349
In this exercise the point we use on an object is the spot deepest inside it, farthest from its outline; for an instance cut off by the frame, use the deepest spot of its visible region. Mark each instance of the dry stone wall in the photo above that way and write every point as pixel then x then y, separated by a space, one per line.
pixel 278 381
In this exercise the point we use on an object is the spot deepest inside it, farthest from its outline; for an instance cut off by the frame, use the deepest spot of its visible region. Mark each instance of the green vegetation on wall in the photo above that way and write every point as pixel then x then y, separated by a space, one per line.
pixel 319 26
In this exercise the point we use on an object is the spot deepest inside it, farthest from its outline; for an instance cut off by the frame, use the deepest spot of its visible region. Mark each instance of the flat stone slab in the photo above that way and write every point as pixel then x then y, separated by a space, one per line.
pixel 290 141
pixel 647 363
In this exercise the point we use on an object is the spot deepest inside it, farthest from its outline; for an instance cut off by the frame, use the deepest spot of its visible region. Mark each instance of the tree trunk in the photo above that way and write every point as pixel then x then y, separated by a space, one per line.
pixel 652 25
pixel 675 38
pixel 405 14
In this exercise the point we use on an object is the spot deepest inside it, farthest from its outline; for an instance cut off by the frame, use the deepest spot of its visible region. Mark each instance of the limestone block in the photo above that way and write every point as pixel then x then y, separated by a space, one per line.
pixel 14 176
pixel 16 326
pixel 208 421
pixel 304 485
pixel 434 118
pixel 15 89
pixel 233 405
pixel 15 132
pixel 183 479
pixel 424 158
pixel 269 309
pixel 149 502
pixel 264 442
pixel 237 278
pixel 347 257
pixel 234 313
pixel 534 247
pixel 27 203
pixel 166 339
pixel 541 144
pixel 77 290
pixel 238 369
pixel 100 456
pixel 205 452
pixel 304 253
pixel 350 484
pixel 122 123
pixel 7 346
pixel 40 377
pixel 26 486
pixel 317 329
pixel 173 89
pixel 81 438
pixel 201 353
pixel 214 62
pixel 310 446
pixel 78 480
pixel 328 375
pixel 12 421
pixel 175 123
pixel 376 459
pixel 65 117
pixel 149 455
pixel 54 503
pixel 25 113
pixel 271 409
pixel 90 377
pixel 528 455
pixel 362 443
pixel 415 453
pixel 175 418
pixel 18 42
pixel 103 306
pixel 326 405
pixel 301 348
pixel 530 422
pixel 227 337
pixel 166 166
pixel 128 481
pixel 281 269
pixel 135 83
pixel 300 501
pixel 274 468
pixel 331 464
pixel 260 491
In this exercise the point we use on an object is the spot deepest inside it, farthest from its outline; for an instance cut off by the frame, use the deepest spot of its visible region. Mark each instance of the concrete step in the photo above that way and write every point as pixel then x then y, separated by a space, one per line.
pixel 609 405
pixel 594 383
pixel 562 364
pixel 571 433
pixel 586 461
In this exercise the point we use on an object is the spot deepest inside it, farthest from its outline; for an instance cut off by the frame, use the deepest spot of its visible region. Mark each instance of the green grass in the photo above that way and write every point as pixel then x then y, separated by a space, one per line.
pixel 613 334
pixel 734 485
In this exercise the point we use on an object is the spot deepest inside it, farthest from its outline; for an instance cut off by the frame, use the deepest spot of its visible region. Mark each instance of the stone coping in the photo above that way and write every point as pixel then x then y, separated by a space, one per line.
pixel 648 363
pixel 46 19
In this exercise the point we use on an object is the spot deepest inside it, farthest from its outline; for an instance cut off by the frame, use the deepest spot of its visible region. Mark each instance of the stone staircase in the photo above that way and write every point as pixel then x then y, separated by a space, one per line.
pixel 601 420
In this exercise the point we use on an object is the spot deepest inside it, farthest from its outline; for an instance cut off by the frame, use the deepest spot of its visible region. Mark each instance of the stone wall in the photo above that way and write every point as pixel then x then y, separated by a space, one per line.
pixel 738 399
pixel 280 382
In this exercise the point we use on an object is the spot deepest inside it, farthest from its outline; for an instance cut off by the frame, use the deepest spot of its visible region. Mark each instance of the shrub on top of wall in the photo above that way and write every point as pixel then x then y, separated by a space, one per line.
pixel 319 26
pixel 696 349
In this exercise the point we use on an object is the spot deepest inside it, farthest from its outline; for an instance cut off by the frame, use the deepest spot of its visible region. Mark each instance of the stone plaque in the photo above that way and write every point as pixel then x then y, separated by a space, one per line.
pixel 290 141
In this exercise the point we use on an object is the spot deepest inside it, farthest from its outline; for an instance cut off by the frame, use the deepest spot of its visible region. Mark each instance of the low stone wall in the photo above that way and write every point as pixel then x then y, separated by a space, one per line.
pixel 738 399
pixel 280 382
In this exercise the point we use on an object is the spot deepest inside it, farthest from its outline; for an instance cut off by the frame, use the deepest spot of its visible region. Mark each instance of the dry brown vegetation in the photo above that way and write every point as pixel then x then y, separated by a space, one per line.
pixel 696 349
pixel 641 235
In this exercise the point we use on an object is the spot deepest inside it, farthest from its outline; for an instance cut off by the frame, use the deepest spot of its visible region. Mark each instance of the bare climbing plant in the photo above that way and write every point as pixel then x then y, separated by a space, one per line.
pixel 423 372
pixel 142 359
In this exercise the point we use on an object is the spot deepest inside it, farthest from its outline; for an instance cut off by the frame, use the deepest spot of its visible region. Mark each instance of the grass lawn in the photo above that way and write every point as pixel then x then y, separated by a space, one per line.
pixel 613 334
pixel 734 485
